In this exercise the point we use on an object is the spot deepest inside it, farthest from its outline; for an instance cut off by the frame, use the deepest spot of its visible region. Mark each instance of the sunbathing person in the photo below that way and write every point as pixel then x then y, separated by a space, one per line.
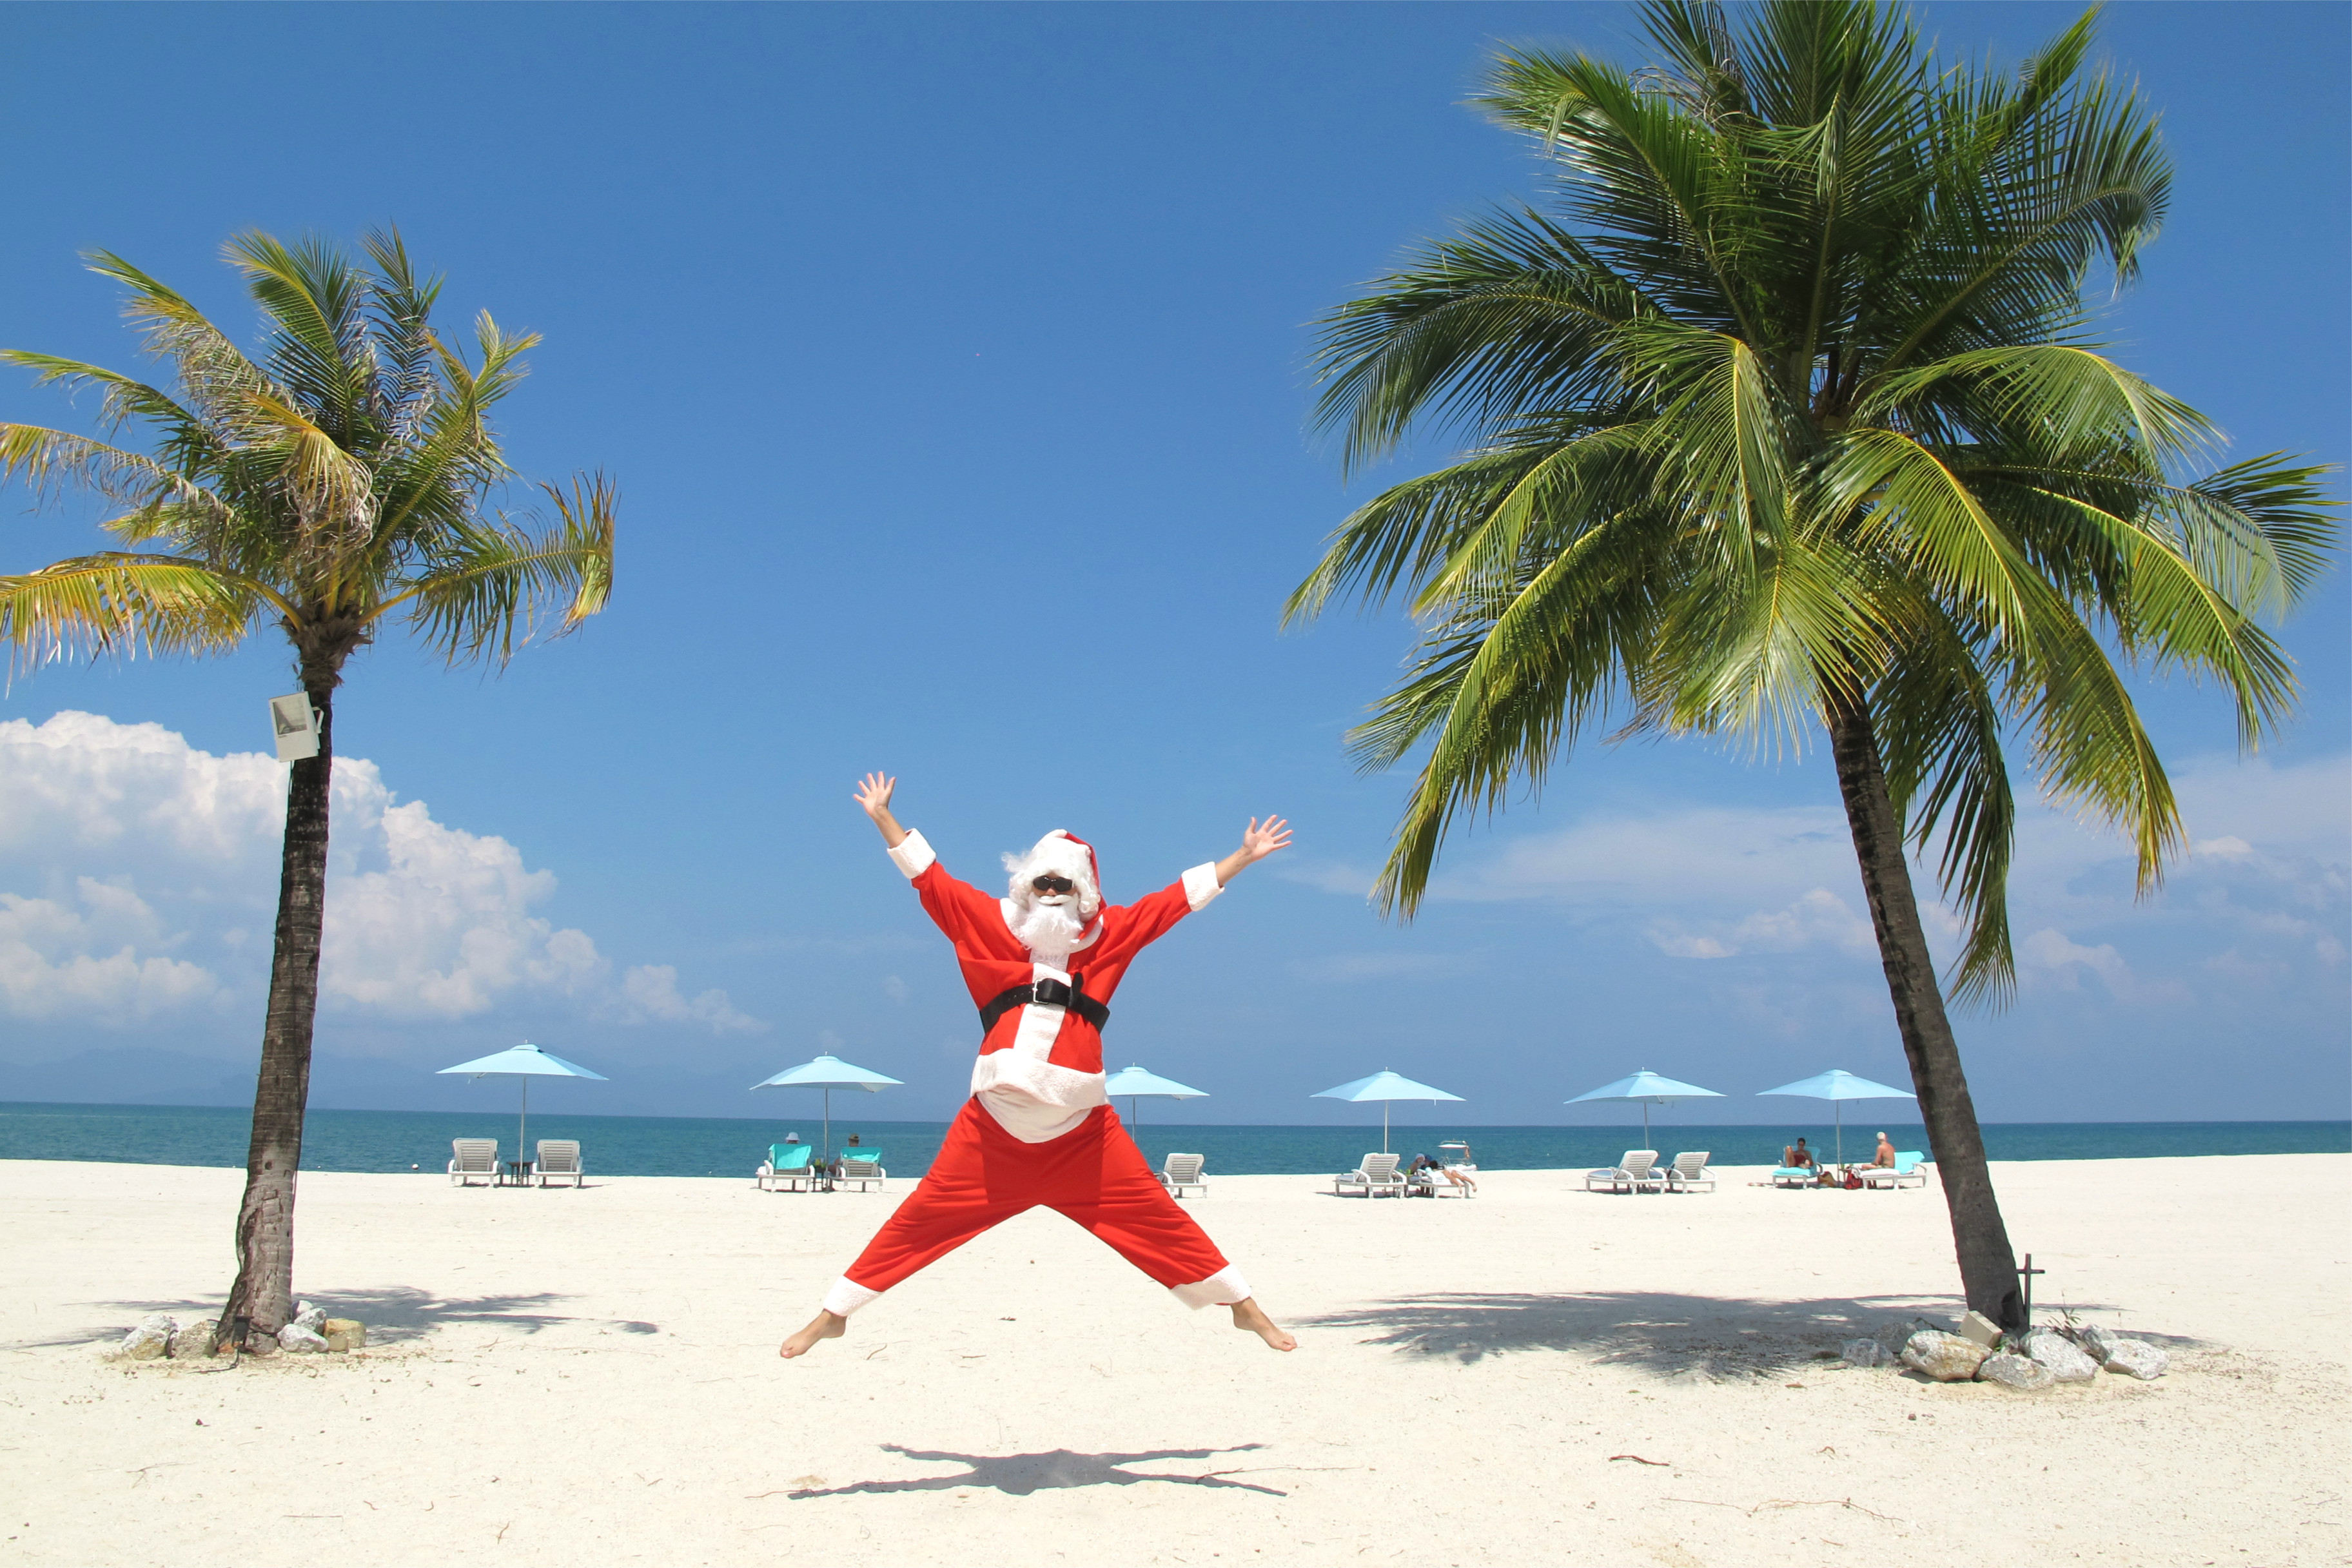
pixel 1799 1158
pixel 1040 964
pixel 1885 1155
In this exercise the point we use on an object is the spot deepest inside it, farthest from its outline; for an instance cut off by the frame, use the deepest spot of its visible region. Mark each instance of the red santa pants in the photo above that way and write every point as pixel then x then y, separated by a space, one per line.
pixel 1093 1174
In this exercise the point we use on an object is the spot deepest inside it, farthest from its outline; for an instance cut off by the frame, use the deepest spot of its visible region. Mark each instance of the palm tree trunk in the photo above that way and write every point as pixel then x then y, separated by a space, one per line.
pixel 264 1291
pixel 1988 1267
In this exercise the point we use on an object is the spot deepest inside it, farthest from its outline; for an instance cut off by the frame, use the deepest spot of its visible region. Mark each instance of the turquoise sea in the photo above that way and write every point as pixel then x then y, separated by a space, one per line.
pixel 696 1146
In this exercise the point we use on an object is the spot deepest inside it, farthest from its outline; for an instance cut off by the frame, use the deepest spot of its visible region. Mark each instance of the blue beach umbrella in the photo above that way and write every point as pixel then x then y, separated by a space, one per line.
pixel 526 1062
pixel 1651 1088
pixel 828 1073
pixel 1838 1086
pixel 1134 1082
pixel 1383 1086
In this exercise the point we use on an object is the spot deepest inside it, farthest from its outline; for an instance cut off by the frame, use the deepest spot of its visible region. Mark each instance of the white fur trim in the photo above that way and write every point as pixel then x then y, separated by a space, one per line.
pixel 1200 885
pixel 1059 853
pixel 1221 1289
pixel 1012 909
pixel 845 1295
pixel 1029 1120
pixel 913 856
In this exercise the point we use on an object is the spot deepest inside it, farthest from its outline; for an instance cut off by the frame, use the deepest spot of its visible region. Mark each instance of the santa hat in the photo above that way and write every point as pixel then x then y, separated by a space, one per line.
pixel 1059 853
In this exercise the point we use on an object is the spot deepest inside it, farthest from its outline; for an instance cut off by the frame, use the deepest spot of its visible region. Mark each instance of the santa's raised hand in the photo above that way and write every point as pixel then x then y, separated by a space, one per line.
pixel 873 797
pixel 1257 842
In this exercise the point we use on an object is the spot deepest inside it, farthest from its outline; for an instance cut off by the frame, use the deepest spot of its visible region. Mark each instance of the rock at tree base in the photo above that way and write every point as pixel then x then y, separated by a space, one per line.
pixel 1947 1358
pixel 2096 1339
pixel 149 1341
pixel 300 1341
pixel 1893 1333
pixel 2065 1359
pixel 1980 1330
pixel 1866 1352
pixel 260 1344
pixel 2136 1358
pixel 193 1342
pixel 344 1333
pixel 306 1316
pixel 2020 1372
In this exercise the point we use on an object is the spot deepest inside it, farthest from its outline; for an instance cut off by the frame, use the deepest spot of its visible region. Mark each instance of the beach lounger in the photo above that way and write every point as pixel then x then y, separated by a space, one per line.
pixel 863 1166
pixel 474 1157
pixel 558 1157
pixel 790 1167
pixel 1797 1177
pixel 1637 1170
pixel 1904 1169
pixel 1688 1173
pixel 1376 1175
pixel 1428 1184
pixel 1182 1171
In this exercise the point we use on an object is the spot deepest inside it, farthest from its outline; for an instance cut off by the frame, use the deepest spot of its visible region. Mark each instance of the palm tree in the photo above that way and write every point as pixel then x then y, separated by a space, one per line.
pixel 1784 412
pixel 335 480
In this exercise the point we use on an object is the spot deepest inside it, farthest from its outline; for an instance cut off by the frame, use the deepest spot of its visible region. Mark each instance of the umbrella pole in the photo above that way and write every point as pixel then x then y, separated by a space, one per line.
pixel 1840 1130
pixel 522 1121
pixel 1384 1126
pixel 1645 1121
pixel 826 1148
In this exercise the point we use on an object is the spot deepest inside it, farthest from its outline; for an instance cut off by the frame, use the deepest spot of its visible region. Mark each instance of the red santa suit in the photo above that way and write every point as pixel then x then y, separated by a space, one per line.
pixel 1038 1128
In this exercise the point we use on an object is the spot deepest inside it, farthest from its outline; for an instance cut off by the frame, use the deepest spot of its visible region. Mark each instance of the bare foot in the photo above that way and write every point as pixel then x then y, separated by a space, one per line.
pixel 824 1326
pixel 1248 1314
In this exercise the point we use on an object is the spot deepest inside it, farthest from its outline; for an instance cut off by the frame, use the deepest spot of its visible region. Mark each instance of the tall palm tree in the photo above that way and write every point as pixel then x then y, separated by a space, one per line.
pixel 340 476
pixel 1785 411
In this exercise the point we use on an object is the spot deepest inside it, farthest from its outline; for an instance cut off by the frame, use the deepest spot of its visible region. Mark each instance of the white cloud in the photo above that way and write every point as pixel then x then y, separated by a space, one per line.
pixel 59 962
pixel 651 992
pixel 424 921
pixel 1328 875
pixel 2049 953
pixel 1818 919
pixel 1346 968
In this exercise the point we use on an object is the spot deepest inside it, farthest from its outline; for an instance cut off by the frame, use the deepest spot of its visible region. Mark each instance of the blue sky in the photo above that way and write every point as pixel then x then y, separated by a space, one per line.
pixel 950 362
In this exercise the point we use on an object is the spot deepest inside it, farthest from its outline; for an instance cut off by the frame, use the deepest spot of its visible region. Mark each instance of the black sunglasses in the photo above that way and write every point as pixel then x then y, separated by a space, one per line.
pixel 1052 884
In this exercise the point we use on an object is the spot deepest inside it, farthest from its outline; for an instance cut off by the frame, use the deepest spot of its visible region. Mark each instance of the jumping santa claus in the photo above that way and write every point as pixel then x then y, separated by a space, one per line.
pixel 1042 964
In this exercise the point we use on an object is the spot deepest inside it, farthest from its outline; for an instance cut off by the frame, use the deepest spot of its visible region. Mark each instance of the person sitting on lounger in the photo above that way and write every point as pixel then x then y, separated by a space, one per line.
pixel 1799 1158
pixel 1885 1155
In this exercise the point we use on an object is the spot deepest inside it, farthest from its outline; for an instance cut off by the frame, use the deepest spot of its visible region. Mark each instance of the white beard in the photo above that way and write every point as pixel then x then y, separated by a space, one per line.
pixel 1050 931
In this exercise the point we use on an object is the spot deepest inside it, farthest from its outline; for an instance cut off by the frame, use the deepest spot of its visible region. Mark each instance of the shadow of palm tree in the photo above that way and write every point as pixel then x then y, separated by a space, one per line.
pixel 392 1314
pixel 1020 1475
pixel 1654 1330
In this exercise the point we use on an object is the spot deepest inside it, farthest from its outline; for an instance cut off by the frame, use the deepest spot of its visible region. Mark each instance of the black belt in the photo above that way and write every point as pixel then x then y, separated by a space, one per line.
pixel 1052 992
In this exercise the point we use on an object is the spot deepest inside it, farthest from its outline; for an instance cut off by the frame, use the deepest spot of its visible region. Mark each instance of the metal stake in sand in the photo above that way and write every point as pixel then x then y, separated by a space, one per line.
pixel 2025 1277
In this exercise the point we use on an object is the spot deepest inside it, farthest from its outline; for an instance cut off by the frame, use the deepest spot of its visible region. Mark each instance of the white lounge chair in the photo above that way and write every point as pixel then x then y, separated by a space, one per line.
pixel 1904 1169
pixel 1182 1171
pixel 1377 1174
pixel 558 1157
pixel 864 1167
pixel 1688 1173
pixel 1436 1184
pixel 1637 1170
pixel 791 1167
pixel 474 1157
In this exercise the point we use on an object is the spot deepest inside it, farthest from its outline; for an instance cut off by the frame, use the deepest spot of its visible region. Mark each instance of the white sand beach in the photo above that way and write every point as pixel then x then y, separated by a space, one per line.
pixel 591 1377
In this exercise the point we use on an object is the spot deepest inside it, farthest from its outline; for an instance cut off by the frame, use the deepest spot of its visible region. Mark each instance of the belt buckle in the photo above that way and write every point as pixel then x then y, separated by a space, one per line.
pixel 1053 993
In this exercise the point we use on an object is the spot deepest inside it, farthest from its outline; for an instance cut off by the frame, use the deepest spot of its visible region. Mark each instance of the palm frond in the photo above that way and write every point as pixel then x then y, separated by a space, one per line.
pixel 486 594
pixel 123 605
